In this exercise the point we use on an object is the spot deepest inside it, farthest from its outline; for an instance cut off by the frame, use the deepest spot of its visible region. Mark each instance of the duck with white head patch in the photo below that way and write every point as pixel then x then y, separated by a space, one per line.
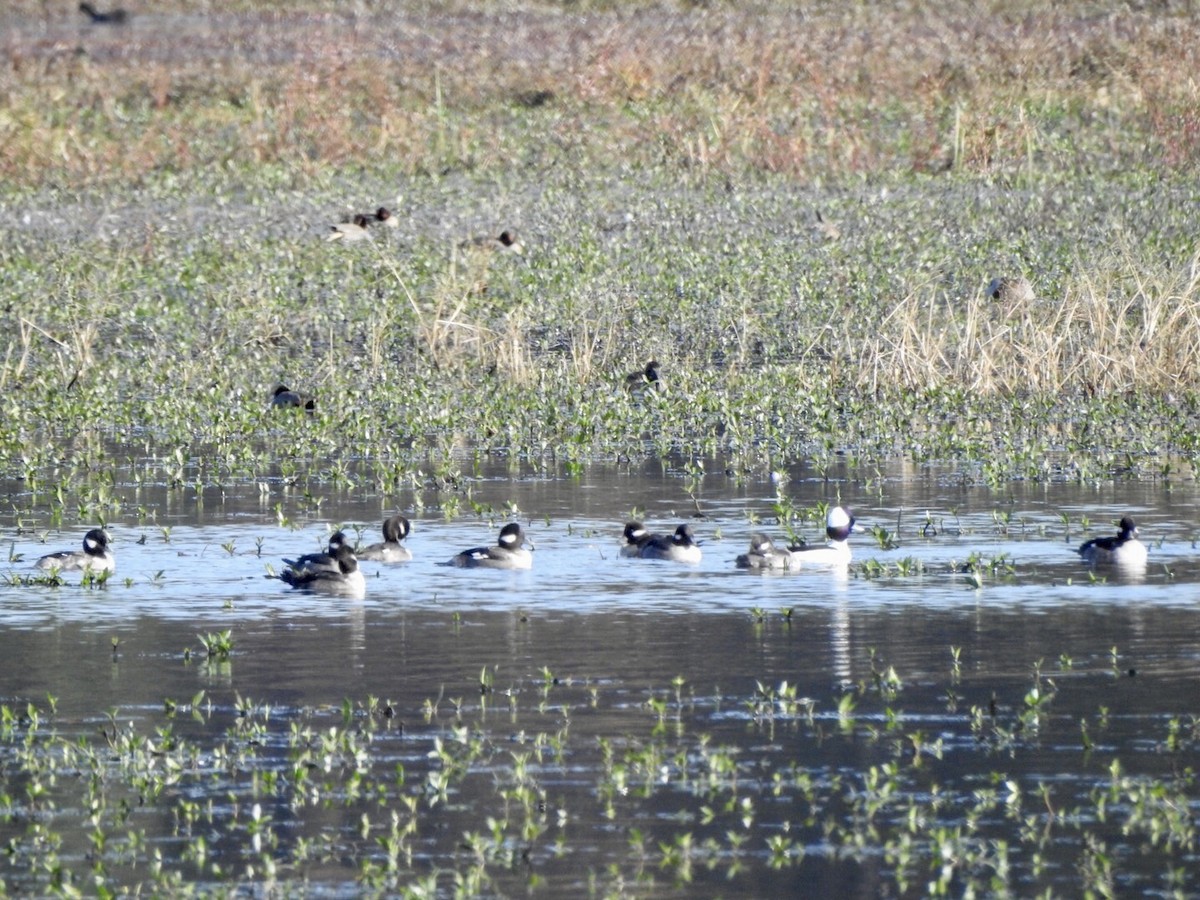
pixel 391 550
pixel 636 537
pixel 94 557
pixel 681 546
pixel 839 525
pixel 507 553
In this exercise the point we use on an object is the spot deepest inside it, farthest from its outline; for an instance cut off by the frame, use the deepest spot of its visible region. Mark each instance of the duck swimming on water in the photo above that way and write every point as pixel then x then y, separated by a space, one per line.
pixel 391 550
pixel 839 525
pixel 94 557
pixel 345 579
pixel 507 553
pixel 763 554
pixel 1122 549
pixel 681 546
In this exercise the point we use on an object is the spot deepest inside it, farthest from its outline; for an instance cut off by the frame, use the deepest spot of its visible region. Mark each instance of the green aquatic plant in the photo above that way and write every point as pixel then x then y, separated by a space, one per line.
pixel 884 539
pixel 51 578
pixel 217 645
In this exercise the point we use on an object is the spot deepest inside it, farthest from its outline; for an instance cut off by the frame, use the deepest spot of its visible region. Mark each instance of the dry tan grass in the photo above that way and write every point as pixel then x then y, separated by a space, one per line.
pixel 799 89
pixel 458 326
pixel 1113 330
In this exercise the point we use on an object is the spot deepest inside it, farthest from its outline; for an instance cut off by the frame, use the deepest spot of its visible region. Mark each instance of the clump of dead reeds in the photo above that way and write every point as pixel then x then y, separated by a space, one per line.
pixel 1116 326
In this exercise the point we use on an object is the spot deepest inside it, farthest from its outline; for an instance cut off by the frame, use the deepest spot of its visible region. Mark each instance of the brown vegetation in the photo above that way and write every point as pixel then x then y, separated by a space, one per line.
pixel 806 90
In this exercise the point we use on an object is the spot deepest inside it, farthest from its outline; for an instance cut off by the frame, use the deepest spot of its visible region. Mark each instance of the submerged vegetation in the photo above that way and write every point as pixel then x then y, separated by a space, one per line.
pixel 478 796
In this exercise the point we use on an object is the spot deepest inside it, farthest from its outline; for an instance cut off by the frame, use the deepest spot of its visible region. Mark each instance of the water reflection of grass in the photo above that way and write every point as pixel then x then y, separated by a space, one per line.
pixel 541 784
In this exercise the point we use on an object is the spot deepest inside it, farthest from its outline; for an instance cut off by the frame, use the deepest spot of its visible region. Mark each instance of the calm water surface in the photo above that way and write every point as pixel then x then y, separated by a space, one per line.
pixel 645 728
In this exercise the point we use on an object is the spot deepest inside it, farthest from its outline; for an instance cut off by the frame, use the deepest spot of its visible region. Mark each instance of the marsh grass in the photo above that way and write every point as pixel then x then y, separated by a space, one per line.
pixel 1005 90
pixel 1122 326
pixel 165 268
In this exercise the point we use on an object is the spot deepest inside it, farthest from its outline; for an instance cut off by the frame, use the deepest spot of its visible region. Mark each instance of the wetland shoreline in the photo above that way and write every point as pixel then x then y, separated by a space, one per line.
pixel 797 210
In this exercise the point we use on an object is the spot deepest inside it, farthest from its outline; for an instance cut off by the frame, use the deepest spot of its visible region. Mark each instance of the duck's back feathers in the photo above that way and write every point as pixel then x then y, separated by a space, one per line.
pixel 317 562
pixel 763 554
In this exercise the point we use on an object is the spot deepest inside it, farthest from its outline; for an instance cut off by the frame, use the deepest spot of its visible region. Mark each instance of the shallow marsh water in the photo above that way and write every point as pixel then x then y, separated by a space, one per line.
pixel 616 726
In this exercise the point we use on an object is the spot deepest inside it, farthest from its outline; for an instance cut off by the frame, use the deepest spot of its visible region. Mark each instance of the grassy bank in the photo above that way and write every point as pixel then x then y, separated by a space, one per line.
pixel 797 210
pixel 801 90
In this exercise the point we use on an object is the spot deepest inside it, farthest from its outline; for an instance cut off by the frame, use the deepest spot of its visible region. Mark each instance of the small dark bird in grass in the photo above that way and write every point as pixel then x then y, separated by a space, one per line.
pixel 649 378
pixel 114 17
pixel 506 241
pixel 284 397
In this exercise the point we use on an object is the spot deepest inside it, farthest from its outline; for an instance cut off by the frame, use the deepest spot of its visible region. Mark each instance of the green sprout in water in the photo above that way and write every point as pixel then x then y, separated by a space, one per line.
pixel 217 645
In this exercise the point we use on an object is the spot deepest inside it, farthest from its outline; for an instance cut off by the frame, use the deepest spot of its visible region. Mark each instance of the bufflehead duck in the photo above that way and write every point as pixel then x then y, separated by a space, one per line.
pixel 763 554
pixel 679 547
pixel 94 557
pixel 839 525
pixel 1123 550
pixel 321 562
pixel 508 553
pixel 636 537
pixel 395 529
pixel 504 242
pixel 354 230
pixel 649 378
pixel 1011 290
pixel 284 397
pixel 116 17
pixel 383 216
pixel 345 578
